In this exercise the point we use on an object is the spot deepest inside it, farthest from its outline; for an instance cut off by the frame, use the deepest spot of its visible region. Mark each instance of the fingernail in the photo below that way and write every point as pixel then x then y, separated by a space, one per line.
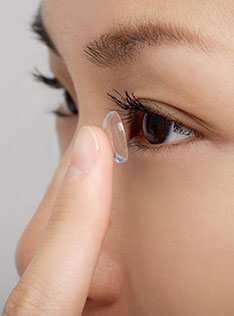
pixel 85 151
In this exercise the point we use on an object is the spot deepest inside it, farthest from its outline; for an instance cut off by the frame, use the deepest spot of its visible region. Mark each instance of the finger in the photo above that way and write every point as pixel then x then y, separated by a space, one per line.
pixel 56 281
pixel 28 241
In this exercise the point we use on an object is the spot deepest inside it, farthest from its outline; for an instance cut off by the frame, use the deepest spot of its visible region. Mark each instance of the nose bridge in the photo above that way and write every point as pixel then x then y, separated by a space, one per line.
pixel 110 276
pixel 106 284
pixel 107 281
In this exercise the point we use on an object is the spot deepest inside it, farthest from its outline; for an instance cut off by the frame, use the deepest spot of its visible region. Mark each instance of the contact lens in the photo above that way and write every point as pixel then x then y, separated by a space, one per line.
pixel 113 126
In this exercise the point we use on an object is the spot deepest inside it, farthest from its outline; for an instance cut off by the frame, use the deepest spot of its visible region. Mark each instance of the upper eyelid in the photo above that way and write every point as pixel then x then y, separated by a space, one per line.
pixel 142 107
pixel 52 82
pixel 198 128
pixel 187 120
pixel 194 123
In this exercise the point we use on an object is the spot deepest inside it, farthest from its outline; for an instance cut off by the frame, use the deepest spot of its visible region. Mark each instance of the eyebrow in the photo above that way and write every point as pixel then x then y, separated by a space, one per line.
pixel 124 41
pixel 39 29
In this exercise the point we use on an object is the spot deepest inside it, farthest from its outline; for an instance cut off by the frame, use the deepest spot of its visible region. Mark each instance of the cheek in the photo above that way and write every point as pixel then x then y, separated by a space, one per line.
pixel 180 232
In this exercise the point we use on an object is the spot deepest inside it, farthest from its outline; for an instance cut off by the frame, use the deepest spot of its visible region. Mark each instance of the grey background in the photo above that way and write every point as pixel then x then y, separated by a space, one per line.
pixel 28 142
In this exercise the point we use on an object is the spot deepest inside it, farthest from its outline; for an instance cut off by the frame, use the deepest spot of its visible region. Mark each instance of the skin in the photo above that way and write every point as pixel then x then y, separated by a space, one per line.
pixel 169 248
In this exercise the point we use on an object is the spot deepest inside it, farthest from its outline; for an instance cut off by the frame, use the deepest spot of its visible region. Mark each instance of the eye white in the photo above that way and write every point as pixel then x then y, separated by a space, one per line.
pixel 175 136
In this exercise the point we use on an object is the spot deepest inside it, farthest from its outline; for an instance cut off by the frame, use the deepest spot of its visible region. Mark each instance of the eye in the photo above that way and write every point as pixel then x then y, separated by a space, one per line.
pixel 150 129
pixel 157 129
pixel 67 106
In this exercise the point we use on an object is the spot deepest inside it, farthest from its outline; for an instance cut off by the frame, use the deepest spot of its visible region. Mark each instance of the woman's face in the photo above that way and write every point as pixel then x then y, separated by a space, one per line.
pixel 169 250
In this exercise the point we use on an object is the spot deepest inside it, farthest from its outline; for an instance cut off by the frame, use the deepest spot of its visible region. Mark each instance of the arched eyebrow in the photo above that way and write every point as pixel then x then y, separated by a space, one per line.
pixel 124 41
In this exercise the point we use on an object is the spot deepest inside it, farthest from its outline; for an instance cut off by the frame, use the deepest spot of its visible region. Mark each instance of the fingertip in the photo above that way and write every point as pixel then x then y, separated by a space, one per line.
pixel 101 176
pixel 106 146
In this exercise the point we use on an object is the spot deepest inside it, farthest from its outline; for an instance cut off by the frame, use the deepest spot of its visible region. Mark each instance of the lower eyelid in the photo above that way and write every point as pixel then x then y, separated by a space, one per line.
pixel 136 146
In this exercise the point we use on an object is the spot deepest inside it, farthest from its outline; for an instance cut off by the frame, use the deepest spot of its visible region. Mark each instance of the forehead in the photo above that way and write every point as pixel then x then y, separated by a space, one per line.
pixel 78 21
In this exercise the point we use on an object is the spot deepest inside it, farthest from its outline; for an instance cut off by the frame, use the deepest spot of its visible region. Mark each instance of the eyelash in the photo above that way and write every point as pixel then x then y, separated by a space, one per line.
pixel 54 83
pixel 129 109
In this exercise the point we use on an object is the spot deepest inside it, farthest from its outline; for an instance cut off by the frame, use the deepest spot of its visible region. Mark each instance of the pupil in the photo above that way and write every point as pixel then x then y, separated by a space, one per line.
pixel 156 128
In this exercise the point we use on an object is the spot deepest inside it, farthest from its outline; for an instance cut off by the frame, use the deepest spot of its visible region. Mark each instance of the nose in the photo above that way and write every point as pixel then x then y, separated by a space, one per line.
pixel 106 283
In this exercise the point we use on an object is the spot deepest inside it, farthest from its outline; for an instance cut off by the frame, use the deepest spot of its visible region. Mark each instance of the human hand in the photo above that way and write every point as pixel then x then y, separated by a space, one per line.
pixel 57 279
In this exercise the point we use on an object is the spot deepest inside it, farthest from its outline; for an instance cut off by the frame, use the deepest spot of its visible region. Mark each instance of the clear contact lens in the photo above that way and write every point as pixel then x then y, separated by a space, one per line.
pixel 113 126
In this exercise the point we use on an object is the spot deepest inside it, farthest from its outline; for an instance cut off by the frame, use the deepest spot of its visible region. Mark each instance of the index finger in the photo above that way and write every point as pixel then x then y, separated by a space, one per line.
pixel 56 281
